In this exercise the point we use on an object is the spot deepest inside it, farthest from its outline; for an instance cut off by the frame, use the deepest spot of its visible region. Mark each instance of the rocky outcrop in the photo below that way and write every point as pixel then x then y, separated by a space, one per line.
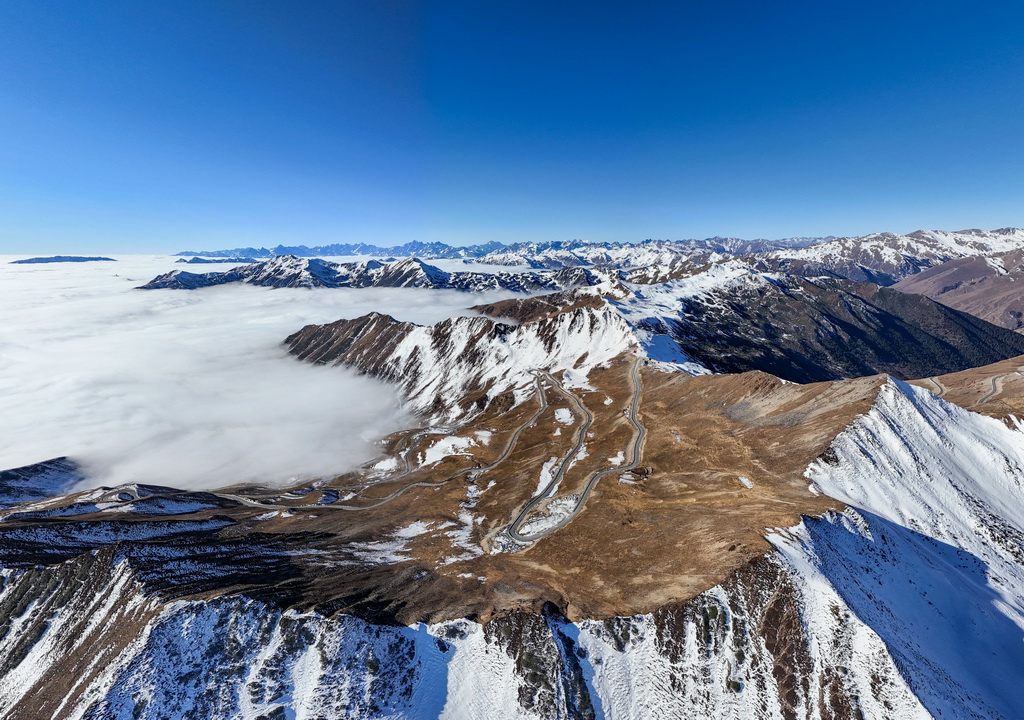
pixel 738 650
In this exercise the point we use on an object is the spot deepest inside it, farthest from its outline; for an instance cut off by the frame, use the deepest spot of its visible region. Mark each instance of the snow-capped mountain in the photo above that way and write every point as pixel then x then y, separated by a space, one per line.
pixel 547 254
pixel 646 254
pixel 463 364
pixel 732 319
pixel 885 258
pixel 295 272
pixel 726 318
pixel 882 258
pixel 624 499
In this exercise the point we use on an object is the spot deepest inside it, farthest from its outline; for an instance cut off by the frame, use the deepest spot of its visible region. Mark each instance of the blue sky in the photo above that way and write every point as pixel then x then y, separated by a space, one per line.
pixel 151 127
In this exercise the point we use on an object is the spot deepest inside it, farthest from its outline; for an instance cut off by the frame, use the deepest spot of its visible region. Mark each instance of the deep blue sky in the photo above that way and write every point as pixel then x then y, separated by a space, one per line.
pixel 144 126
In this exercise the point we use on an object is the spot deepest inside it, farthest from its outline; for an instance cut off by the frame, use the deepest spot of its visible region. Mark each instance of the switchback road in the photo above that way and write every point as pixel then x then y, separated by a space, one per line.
pixel 635 448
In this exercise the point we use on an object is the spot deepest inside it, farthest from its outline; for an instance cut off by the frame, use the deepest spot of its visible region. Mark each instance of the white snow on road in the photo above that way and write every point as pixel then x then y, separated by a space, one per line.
pixel 545 475
pixel 555 512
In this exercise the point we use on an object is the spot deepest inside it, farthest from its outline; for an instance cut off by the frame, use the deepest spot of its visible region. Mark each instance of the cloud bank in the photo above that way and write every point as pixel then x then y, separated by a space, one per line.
pixel 182 388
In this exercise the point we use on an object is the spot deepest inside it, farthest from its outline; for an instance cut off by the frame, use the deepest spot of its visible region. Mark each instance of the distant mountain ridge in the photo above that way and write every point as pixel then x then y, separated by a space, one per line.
pixel 881 258
pixel 439 250
pixel 61 259
pixel 730 319
pixel 984 286
pixel 886 258
pixel 288 271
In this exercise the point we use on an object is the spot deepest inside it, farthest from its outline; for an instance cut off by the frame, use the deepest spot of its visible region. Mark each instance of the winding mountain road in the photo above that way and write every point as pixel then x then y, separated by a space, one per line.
pixel 635 448
pixel 997 387
pixel 581 437
pixel 938 386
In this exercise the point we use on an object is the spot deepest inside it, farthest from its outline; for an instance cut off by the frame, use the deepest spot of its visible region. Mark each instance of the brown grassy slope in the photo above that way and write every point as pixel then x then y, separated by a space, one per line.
pixel 638 544
pixel 974 285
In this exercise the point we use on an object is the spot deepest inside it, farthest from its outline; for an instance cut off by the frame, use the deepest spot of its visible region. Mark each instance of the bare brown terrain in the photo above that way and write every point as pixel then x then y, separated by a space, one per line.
pixel 988 288
pixel 642 540
pixel 996 390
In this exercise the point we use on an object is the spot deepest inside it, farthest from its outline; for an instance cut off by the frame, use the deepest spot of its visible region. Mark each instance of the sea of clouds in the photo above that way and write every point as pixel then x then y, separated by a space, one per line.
pixel 191 389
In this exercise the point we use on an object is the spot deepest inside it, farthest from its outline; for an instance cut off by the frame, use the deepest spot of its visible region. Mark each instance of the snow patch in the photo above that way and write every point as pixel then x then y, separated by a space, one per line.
pixel 564 416
pixel 446 447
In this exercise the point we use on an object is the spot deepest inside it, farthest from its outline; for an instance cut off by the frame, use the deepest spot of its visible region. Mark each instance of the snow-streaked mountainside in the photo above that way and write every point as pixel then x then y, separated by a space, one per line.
pixel 294 272
pixel 35 482
pixel 732 319
pixel 907 604
pixel 985 286
pixel 620 255
pixel 882 258
pixel 727 318
pixel 689 480
pixel 885 258
pixel 930 554
pixel 464 364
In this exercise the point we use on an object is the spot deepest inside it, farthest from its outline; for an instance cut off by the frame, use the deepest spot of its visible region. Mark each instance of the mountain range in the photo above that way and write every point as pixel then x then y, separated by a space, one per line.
pixel 712 481
pixel 294 272
pixel 882 258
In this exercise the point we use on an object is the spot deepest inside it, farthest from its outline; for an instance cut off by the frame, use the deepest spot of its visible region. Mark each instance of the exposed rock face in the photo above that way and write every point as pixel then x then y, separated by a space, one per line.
pixel 986 287
pixel 805 330
pixel 290 271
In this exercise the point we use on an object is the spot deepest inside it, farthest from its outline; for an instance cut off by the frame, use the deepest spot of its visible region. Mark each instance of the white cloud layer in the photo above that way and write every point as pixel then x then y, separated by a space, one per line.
pixel 186 388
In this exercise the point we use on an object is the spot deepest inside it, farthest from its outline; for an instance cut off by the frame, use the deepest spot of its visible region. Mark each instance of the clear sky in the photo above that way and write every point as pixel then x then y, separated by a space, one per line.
pixel 130 126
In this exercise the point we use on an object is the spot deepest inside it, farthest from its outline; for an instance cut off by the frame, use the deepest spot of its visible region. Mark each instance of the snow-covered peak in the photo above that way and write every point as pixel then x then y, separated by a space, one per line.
pixel 648 308
pixel 295 272
pixel 929 555
pixel 715 278
pixel 943 468
pixel 887 257
pixel 456 367
pixel 410 272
